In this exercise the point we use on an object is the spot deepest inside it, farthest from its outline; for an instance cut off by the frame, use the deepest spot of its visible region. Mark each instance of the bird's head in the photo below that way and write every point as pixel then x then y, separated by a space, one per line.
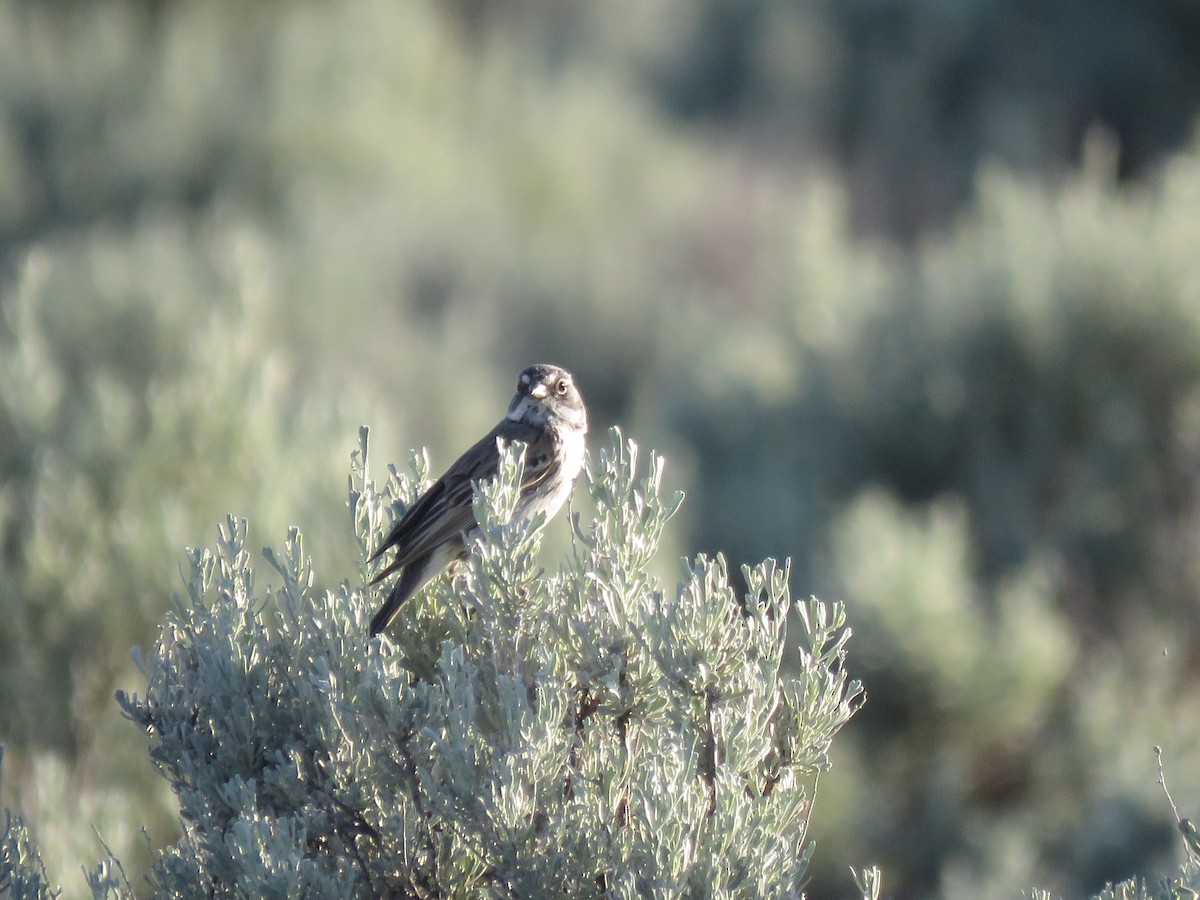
pixel 546 394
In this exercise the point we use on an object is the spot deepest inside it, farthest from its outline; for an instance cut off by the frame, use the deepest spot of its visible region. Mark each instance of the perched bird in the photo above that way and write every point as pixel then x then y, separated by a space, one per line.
pixel 548 416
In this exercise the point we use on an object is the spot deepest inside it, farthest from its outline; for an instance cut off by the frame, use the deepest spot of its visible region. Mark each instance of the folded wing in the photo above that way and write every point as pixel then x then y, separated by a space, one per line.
pixel 444 512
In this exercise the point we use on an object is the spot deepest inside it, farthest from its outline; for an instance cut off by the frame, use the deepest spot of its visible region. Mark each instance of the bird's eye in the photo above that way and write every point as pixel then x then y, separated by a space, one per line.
pixel 562 386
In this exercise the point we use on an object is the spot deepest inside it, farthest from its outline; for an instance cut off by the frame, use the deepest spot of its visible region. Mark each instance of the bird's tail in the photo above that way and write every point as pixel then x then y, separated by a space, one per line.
pixel 411 579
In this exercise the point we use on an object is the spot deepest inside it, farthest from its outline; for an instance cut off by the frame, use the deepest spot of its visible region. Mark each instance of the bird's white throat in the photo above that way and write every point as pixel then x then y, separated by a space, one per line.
pixel 526 411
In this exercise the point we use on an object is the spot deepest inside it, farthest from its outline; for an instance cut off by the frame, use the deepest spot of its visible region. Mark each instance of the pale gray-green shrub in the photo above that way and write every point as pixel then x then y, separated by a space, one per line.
pixel 577 732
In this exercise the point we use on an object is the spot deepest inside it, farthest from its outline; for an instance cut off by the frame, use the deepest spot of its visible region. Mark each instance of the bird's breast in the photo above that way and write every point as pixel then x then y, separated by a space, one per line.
pixel 571 452
pixel 574 446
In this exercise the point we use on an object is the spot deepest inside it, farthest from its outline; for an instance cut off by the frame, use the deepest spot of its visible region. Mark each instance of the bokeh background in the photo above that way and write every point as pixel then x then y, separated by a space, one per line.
pixel 907 290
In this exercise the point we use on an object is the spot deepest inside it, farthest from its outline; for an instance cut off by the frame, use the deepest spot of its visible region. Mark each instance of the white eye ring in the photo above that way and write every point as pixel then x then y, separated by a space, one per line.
pixel 561 387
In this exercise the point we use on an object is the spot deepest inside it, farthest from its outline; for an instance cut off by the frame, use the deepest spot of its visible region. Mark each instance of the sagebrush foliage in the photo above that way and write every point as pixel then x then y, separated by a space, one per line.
pixel 22 872
pixel 520 733
pixel 184 187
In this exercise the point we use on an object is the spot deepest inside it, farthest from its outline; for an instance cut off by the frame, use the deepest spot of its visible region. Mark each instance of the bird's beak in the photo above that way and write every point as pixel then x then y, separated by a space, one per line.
pixel 538 391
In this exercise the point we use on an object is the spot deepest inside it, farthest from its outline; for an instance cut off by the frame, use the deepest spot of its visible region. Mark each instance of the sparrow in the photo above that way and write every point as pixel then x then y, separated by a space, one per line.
pixel 547 415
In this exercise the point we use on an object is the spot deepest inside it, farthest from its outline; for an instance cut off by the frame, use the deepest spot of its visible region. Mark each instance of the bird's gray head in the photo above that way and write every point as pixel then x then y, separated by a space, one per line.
pixel 546 394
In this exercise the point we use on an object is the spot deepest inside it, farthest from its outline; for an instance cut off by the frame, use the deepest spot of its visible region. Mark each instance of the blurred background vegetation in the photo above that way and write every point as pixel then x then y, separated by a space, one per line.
pixel 907 290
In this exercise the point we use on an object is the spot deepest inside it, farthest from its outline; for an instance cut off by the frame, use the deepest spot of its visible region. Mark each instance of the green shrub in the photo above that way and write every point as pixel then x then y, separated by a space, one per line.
pixel 581 733
pixel 231 232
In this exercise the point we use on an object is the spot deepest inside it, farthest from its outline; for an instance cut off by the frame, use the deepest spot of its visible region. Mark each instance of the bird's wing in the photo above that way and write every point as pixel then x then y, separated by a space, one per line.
pixel 542 458
pixel 444 511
